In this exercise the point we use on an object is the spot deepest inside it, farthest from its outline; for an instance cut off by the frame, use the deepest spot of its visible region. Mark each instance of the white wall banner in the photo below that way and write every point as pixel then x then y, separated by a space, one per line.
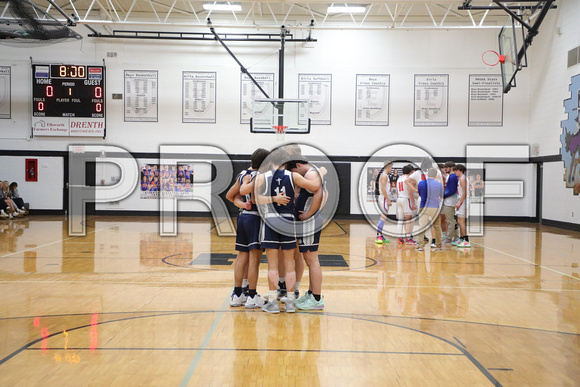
pixel 485 100
pixel 141 95
pixel 431 100
pixel 5 100
pixel 372 100
pixel 249 92
pixel 199 97
pixel 317 88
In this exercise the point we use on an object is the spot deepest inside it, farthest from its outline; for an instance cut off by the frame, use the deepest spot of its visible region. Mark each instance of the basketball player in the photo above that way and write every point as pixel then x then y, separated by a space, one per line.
pixel 384 201
pixel 292 149
pixel 405 206
pixel 419 175
pixel 443 174
pixel 247 238
pixel 461 206
pixel 449 202
pixel 310 227
pixel 279 224
pixel 431 192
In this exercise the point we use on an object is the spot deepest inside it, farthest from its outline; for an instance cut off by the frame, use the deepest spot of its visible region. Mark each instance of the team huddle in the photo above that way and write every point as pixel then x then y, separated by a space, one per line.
pixel 427 192
pixel 280 197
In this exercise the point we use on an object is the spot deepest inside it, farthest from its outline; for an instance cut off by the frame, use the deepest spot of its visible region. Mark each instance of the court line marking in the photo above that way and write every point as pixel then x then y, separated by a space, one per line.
pixel 525 260
pixel 456 339
pixel 52 243
pixel 317 313
pixel 193 365
pixel 252 350
pixel 191 369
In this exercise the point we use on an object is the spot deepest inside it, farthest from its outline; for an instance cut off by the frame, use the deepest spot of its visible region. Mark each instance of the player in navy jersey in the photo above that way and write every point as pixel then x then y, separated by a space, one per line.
pixel 309 228
pixel 247 238
pixel 279 222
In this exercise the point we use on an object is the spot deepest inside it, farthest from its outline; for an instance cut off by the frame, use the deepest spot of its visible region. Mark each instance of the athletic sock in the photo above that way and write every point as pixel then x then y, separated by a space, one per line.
pixel 273 295
pixel 252 293
pixel 238 291
pixel 466 238
pixel 309 292
pixel 297 286
pixel 316 297
pixel 245 282
pixel 380 227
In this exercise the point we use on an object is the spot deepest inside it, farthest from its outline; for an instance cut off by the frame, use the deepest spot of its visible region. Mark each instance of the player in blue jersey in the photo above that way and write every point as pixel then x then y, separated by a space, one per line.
pixel 309 228
pixel 278 219
pixel 247 238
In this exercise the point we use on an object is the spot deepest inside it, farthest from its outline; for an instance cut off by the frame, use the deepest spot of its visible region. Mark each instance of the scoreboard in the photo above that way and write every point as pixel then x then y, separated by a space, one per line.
pixel 68 100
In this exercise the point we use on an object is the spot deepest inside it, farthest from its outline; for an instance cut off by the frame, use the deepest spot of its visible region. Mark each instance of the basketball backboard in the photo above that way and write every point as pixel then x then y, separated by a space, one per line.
pixel 508 48
pixel 268 114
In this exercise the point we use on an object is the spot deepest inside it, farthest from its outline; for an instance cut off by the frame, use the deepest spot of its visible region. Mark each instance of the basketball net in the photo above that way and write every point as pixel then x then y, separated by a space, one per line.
pixel 280 132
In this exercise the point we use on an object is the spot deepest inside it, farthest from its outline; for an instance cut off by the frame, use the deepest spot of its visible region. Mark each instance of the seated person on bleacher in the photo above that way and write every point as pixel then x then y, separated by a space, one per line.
pixel 6 205
pixel 15 196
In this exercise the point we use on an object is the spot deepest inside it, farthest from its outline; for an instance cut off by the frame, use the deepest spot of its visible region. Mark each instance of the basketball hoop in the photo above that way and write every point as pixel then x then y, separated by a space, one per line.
pixel 500 58
pixel 280 132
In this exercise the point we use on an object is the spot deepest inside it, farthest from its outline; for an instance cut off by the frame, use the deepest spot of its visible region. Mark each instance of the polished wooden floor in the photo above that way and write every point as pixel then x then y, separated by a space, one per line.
pixel 126 307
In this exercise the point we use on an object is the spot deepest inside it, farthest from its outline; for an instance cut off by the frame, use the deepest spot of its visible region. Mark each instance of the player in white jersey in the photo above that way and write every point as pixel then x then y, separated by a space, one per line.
pixel 384 201
pixel 461 206
pixel 405 205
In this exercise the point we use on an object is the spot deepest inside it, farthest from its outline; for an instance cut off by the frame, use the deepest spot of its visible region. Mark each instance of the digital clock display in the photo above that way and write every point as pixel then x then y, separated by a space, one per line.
pixel 68 98
pixel 68 71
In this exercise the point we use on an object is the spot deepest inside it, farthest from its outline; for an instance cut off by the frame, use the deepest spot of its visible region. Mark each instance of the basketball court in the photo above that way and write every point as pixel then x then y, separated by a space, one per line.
pixel 126 137
pixel 149 310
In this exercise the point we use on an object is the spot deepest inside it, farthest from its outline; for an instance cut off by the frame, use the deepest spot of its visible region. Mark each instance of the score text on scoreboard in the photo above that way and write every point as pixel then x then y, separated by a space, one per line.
pixel 68 100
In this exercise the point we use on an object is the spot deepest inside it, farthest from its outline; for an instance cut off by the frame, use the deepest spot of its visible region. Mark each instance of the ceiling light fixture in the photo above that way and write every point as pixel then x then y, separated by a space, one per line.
pixel 224 7
pixel 346 9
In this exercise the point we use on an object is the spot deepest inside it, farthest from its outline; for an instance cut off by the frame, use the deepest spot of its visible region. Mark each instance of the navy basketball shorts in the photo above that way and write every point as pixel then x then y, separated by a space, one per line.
pixel 278 233
pixel 308 233
pixel 248 232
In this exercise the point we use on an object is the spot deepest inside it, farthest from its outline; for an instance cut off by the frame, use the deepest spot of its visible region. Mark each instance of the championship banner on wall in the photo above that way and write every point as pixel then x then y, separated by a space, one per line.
pixel 431 100
pixel 317 88
pixel 249 92
pixel 485 100
pixel 5 92
pixel 372 100
pixel 166 181
pixel 141 96
pixel 199 97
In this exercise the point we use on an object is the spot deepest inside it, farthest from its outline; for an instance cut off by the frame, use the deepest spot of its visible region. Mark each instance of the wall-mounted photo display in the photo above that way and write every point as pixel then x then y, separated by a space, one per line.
pixel 166 181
